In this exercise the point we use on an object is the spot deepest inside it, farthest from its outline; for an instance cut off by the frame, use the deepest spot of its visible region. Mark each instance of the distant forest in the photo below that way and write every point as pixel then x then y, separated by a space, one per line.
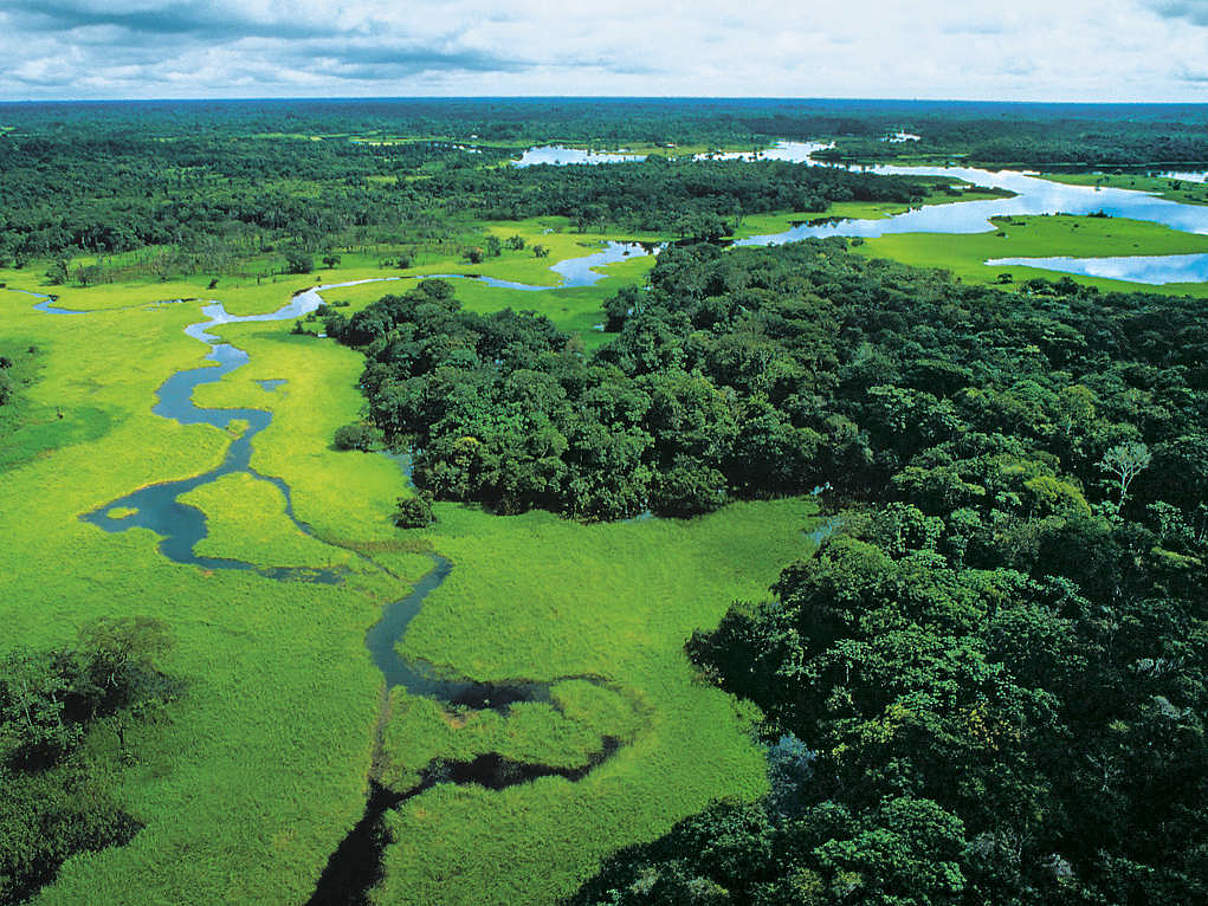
pixel 207 185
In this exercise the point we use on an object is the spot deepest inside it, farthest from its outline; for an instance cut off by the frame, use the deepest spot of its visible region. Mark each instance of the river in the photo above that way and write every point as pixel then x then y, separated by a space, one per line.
pixel 356 864
pixel 1033 196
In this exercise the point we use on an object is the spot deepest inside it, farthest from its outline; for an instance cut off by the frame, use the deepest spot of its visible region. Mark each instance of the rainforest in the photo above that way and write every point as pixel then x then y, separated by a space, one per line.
pixel 603 501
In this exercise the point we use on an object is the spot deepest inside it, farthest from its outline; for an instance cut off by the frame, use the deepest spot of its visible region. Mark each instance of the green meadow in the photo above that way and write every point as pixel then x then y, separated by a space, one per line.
pixel 1043 236
pixel 534 597
pixel 1180 190
pixel 262 765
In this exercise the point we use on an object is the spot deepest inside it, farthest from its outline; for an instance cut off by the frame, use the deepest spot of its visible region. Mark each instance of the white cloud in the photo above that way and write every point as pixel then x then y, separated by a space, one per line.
pixel 1031 50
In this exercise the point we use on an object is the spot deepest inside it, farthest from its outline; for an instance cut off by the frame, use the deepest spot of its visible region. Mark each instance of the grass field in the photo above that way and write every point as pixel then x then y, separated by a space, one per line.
pixel 262 767
pixel 534 597
pixel 238 793
pixel 964 255
pixel 1178 190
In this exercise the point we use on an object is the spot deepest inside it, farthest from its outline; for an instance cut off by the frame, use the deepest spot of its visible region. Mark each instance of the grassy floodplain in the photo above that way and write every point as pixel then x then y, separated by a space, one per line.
pixel 508 610
pixel 1042 236
pixel 277 722
pixel 1180 190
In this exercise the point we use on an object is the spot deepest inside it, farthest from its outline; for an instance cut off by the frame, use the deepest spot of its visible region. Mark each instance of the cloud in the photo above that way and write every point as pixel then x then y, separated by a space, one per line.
pixel 215 21
pixel 385 63
pixel 974 27
pixel 1194 11
pixel 1029 50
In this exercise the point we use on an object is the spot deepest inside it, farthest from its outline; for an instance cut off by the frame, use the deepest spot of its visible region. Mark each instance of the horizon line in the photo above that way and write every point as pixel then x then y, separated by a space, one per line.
pixel 592 97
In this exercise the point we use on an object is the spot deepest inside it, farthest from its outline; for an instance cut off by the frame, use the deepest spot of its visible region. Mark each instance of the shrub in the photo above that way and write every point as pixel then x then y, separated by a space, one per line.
pixel 414 512
pixel 354 437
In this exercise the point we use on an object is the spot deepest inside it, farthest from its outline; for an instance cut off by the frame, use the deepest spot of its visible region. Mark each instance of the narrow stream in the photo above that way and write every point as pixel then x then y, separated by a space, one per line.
pixel 356 865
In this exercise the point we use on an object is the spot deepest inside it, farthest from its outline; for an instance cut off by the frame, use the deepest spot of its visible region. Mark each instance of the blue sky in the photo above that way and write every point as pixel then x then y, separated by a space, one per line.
pixel 1135 50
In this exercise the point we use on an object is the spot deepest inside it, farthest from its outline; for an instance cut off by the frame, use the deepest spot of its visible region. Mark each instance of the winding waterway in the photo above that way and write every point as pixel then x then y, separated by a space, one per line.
pixel 355 866
pixel 1033 196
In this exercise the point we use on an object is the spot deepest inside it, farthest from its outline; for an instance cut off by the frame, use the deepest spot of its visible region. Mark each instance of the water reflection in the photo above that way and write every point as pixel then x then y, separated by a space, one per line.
pixel 559 155
pixel 1156 270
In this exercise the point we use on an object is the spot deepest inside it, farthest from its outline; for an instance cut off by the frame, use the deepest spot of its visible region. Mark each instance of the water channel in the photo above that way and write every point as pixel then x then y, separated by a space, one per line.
pixel 356 865
pixel 1033 196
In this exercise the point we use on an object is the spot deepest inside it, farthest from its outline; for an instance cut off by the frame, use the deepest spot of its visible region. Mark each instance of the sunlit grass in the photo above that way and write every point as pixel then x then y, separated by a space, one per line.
pixel 535 597
pixel 1043 236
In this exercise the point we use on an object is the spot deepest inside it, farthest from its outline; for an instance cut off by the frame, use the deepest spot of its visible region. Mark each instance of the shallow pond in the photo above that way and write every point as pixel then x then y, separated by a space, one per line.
pixel 559 155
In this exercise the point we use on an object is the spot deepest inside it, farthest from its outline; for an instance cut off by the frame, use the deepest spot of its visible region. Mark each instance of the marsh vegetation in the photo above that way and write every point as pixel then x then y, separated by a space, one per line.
pixel 469 555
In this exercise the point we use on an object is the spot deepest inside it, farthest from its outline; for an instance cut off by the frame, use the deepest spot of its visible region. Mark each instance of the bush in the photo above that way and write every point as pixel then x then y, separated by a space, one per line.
pixel 414 512
pixel 355 437
pixel 688 489
pixel 299 262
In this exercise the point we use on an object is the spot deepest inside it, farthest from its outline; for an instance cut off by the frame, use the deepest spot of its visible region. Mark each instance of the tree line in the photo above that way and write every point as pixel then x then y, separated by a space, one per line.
pixel 989 685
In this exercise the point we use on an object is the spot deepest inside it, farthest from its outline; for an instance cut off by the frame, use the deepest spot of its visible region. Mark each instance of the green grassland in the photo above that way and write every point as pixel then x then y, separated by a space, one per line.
pixel 534 597
pixel 1043 236
pixel 564 733
pixel 1179 190
pixel 237 791
pixel 247 522
pixel 263 764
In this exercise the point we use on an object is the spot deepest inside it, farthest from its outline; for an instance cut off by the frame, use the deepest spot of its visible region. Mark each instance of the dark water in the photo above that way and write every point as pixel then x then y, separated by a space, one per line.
pixel 355 866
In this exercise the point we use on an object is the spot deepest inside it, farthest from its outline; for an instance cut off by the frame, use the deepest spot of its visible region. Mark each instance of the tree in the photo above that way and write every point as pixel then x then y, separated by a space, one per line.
pixel 299 261
pixel 1125 462
pixel 414 512
pixel 57 274
pixel 356 436
pixel 121 654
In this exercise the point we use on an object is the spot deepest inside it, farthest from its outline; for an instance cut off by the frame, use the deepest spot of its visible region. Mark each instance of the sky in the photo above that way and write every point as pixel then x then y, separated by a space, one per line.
pixel 1023 50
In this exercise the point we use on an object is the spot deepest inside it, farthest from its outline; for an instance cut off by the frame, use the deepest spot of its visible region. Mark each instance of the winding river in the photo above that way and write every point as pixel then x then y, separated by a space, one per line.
pixel 355 866
pixel 1033 196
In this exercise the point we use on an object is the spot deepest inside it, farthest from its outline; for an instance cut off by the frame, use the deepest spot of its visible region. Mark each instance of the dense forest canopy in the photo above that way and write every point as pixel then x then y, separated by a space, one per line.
pixel 214 183
pixel 214 202
pixel 988 687
pixel 603 120
pixel 756 372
